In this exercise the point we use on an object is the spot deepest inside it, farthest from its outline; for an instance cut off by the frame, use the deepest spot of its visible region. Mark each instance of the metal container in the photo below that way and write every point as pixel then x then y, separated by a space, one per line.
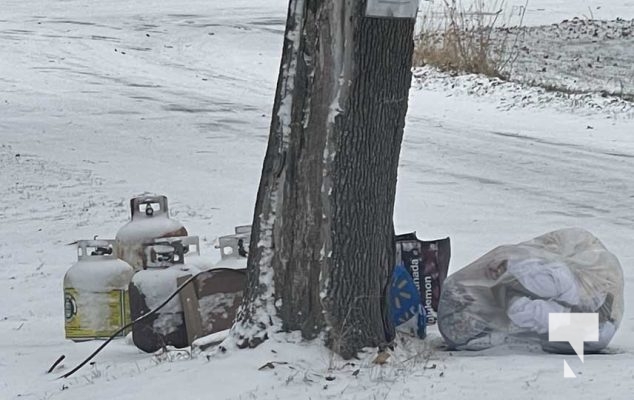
pixel 95 292
pixel 234 249
pixel 191 249
pixel 149 287
pixel 149 220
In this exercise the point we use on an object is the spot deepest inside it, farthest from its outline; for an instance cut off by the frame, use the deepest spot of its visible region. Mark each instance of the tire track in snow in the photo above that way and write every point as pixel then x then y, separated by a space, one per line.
pixel 563 178
pixel 39 194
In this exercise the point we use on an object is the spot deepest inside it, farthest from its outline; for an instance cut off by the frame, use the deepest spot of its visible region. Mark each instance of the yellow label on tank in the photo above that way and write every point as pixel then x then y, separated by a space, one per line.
pixel 95 315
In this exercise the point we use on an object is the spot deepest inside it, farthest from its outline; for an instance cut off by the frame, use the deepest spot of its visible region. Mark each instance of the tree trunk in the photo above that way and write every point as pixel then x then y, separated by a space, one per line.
pixel 322 249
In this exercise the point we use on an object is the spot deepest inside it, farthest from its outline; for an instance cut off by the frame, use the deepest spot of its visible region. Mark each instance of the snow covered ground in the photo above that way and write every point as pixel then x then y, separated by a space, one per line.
pixel 103 100
pixel 542 12
pixel 577 55
pixel 571 54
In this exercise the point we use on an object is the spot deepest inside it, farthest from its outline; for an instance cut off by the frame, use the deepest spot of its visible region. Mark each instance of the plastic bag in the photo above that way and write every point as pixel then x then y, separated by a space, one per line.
pixel 406 309
pixel 427 261
pixel 506 295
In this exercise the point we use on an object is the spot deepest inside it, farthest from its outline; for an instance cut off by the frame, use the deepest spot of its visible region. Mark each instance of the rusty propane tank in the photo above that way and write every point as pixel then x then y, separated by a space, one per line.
pixel 191 248
pixel 149 220
pixel 150 287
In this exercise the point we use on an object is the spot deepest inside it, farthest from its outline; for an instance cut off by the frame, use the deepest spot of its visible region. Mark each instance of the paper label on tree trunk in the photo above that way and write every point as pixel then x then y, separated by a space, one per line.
pixel 392 8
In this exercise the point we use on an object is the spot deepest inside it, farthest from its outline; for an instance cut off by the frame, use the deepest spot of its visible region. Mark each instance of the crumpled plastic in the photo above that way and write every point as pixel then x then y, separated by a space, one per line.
pixel 506 295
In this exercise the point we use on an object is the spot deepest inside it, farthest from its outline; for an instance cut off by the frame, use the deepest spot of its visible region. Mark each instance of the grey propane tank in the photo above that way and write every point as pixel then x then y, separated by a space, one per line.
pixel 149 219
pixel 150 287
pixel 95 292
pixel 234 248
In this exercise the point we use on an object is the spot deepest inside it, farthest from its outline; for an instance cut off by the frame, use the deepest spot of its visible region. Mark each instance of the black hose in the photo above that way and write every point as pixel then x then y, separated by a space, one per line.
pixel 56 363
pixel 141 318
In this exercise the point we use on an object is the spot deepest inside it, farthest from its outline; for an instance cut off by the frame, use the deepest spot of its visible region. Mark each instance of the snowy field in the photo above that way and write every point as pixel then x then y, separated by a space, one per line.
pixel 543 12
pixel 537 45
pixel 100 101
pixel 577 55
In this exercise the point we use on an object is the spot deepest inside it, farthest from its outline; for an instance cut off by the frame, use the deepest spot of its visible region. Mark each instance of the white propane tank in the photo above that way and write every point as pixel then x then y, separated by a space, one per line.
pixel 234 248
pixel 149 220
pixel 96 292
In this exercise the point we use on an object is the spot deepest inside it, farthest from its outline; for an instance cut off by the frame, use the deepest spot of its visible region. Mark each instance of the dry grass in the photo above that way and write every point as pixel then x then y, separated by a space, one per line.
pixel 469 40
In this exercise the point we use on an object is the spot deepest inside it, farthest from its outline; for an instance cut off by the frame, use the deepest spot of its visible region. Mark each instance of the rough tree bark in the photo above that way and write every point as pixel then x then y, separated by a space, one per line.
pixel 321 250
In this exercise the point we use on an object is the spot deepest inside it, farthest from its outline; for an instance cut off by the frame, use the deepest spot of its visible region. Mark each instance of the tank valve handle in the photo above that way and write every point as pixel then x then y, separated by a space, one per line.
pixel 102 251
pixel 241 250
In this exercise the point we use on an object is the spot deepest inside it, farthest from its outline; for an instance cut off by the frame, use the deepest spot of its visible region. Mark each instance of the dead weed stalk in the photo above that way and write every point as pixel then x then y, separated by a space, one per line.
pixel 468 40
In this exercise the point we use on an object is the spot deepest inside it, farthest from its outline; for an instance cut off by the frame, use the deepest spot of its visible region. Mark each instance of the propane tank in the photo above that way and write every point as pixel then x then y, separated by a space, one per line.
pixel 191 249
pixel 234 248
pixel 153 285
pixel 95 292
pixel 149 219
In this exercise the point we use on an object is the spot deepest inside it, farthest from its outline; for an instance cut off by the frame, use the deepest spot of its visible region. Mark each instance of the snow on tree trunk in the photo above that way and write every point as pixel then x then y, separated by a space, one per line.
pixel 322 244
